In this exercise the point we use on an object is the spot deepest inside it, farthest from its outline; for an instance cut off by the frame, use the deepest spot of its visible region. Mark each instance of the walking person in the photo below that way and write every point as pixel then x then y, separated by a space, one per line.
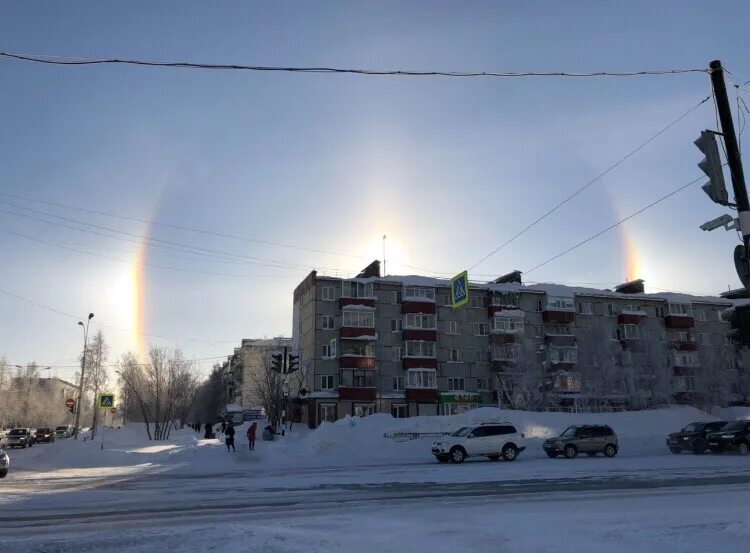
pixel 229 436
pixel 209 431
pixel 223 427
pixel 251 436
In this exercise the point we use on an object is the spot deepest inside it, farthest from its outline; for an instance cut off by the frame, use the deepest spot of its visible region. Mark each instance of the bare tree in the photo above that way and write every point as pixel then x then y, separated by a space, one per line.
pixel 208 398
pixel 269 387
pixel 97 374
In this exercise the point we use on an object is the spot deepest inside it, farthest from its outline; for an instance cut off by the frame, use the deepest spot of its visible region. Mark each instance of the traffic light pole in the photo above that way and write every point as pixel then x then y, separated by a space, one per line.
pixel 733 151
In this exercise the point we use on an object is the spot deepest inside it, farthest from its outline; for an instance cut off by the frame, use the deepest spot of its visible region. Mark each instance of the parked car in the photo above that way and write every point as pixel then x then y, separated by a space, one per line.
pixel 493 440
pixel 63 431
pixel 20 437
pixel 735 436
pixel 4 464
pixel 585 438
pixel 693 437
pixel 44 435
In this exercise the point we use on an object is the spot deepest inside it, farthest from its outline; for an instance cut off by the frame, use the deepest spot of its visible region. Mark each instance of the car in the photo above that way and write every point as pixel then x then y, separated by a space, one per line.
pixel 734 436
pixel 495 440
pixel 20 437
pixel 4 463
pixel 63 431
pixel 44 434
pixel 693 437
pixel 583 438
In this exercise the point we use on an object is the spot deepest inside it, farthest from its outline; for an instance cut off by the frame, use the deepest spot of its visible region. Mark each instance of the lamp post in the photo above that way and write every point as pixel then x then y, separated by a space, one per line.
pixel 83 370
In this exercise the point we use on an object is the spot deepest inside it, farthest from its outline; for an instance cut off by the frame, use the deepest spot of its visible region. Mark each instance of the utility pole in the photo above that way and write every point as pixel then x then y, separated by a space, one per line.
pixel 384 272
pixel 83 371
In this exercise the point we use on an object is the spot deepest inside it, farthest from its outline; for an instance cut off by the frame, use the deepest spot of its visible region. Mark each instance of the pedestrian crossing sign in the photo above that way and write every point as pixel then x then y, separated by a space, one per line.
pixel 460 289
pixel 106 401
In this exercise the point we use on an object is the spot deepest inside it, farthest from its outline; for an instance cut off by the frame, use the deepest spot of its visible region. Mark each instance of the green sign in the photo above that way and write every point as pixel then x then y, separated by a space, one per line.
pixel 105 401
pixel 460 398
pixel 460 289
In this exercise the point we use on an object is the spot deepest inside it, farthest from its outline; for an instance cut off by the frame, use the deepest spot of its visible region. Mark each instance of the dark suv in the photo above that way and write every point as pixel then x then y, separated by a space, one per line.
pixel 735 436
pixel 693 437
pixel 585 438
pixel 44 435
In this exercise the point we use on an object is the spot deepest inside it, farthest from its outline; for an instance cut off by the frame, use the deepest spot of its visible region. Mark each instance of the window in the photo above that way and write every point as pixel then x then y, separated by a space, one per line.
pixel 354 289
pixel 483 385
pixel 685 359
pixel 685 383
pixel 399 411
pixel 563 355
pixel 700 314
pixel 631 332
pixel 632 308
pixel 420 349
pixel 659 310
pixel 421 379
pixel 417 320
pixel 397 353
pixel 397 325
pixel 585 308
pixel 454 356
pixel 734 388
pixel 481 329
pixel 505 298
pixel 728 340
pixel 481 355
pixel 609 309
pixel 507 324
pixel 326 382
pixel 363 379
pixel 538 305
pixel 326 351
pixel 327 412
pixel 327 293
pixel 362 350
pixel 444 299
pixel 506 352
pixel 395 296
pixel 328 323
pixel 420 293
pixel 398 383
pixel 362 318
pixel 560 303
pixel 364 409
pixel 331 348
pixel 477 301
pixel 456 383
pixel 685 336
pixel 451 327
pixel 681 309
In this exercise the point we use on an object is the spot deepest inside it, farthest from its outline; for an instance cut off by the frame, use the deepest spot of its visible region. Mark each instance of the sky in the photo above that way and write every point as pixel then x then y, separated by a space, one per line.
pixel 322 166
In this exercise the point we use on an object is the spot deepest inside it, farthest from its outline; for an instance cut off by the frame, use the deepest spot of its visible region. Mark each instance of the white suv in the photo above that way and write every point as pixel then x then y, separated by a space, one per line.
pixel 491 439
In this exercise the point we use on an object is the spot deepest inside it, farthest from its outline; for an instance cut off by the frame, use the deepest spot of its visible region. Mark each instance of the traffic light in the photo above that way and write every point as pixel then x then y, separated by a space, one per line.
pixel 277 363
pixel 711 165
pixel 739 318
pixel 293 363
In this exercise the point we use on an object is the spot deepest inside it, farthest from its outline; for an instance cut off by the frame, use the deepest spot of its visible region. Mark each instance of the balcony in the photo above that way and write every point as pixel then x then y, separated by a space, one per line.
pixel 358 333
pixel 365 302
pixel 679 321
pixel 492 309
pixel 421 394
pixel 684 345
pixel 419 362
pixel 631 317
pixel 502 339
pixel 352 393
pixel 417 306
pixel 363 362
pixel 558 316
pixel 560 340
pixel 419 334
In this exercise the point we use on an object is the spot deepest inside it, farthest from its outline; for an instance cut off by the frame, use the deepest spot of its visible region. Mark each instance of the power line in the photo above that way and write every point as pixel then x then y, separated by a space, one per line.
pixel 180 227
pixel 589 183
pixel 69 61
pixel 590 238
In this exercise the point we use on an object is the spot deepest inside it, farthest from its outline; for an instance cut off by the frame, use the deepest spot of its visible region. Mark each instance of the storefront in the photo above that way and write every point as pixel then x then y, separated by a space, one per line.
pixel 455 403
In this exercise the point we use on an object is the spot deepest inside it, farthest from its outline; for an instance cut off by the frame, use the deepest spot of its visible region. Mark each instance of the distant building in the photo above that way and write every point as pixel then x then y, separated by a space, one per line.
pixel 395 345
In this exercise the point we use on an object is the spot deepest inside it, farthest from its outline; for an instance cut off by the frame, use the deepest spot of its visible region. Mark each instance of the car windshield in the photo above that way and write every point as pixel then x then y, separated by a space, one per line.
pixel 18 432
pixel 42 430
pixel 695 427
pixel 570 431
pixel 461 432
pixel 734 425
pixel 61 428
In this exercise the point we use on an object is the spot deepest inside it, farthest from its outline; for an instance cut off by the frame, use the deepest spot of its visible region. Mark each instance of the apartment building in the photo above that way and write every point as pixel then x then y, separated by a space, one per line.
pixel 395 345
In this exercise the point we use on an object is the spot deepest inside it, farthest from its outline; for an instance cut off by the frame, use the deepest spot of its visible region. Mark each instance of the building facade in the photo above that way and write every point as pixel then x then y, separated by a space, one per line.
pixel 395 345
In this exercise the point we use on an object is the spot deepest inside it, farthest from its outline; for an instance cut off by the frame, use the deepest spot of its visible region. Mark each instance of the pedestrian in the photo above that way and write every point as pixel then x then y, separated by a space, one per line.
pixel 223 427
pixel 251 435
pixel 208 433
pixel 229 436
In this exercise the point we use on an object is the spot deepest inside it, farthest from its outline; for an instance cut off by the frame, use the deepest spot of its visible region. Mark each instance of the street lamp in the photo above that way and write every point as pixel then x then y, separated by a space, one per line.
pixel 83 370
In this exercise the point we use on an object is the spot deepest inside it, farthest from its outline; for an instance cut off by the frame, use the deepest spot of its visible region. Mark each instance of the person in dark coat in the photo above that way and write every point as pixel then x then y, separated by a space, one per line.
pixel 208 433
pixel 251 435
pixel 229 436
pixel 223 427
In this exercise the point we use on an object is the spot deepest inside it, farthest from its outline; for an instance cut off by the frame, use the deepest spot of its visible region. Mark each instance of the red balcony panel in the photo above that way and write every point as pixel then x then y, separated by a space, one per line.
pixel 684 371
pixel 357 394
pixel 346 362
pixel 418 334
pixel 355 332
pixel 369 302
pixel 421 394
pixel 504 338
pixel 629 319
pixel 551 316
pixel 685 346
pixel 492 309
pixel 679 321
pixel 419 362
pixel 425 307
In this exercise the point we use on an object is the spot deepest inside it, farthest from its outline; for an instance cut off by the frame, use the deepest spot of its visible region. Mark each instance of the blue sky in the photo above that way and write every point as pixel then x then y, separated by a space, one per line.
pixel 447 168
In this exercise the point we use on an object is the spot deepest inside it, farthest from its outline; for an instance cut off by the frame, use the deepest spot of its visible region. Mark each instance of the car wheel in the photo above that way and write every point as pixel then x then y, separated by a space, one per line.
pixel 570 451
pixel 698 447
pixel 675 450
pixel 742 448
pixel 458 455
pixel 717 450
pixel 551 455
pixel 610 450
pixel 493 457
pixel 510 453
pixel 23 446
pixel 3 473
pixel 591 453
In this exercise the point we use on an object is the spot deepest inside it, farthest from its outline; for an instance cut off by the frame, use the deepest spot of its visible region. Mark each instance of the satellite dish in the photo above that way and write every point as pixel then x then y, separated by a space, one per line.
pixel 740 263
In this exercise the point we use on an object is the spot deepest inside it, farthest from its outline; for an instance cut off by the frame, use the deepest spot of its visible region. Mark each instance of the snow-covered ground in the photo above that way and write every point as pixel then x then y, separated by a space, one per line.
pixel 346 486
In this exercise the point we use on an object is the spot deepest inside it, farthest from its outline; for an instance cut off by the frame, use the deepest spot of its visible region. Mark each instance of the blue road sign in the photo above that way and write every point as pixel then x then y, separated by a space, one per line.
pixel 460 289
